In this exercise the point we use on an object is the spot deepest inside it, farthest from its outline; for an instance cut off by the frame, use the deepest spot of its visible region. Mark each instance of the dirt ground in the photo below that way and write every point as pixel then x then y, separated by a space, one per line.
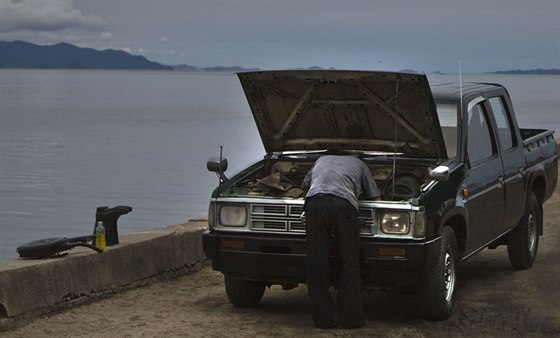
pixel 493 301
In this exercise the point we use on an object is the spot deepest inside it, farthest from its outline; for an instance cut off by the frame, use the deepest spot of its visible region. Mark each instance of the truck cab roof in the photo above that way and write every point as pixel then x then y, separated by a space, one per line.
pixel 451 91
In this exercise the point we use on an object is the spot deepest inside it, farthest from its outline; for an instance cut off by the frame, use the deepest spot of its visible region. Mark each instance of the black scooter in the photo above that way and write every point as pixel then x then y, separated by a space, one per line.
pixel 54 247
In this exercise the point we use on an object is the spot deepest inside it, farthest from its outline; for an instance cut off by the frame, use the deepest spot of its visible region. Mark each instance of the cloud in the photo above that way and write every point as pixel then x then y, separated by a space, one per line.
pixel 45 16
pixel 106 35
pixel 164 39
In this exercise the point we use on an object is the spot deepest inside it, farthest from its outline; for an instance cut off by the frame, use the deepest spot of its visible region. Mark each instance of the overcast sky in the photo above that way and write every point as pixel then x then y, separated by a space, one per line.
pixel 375 35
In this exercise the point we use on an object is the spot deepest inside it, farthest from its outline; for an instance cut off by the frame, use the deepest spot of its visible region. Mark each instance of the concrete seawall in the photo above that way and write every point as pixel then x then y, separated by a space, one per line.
pixel 33 286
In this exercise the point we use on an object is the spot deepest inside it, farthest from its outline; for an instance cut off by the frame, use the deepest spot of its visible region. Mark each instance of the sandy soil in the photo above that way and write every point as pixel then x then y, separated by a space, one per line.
pixel 493 301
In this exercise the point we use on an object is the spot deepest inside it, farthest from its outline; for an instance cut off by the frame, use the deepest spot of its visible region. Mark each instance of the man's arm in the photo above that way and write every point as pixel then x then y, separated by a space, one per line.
pixel 306 181
pixel 369 185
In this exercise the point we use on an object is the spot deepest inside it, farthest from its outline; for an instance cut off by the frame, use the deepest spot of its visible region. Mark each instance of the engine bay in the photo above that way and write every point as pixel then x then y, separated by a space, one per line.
pixel 283 177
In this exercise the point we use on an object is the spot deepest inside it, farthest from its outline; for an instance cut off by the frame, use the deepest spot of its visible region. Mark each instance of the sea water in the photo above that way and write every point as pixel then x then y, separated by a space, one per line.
pixel 73 140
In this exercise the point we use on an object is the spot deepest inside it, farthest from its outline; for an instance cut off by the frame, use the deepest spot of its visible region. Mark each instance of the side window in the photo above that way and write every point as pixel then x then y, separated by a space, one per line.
pixel 447 114
pixel 479 144
pixel 502 123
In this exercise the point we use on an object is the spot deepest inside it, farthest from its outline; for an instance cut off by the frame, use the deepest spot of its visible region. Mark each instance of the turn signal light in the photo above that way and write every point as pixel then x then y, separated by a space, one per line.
pixel 232 244
pixel 392 252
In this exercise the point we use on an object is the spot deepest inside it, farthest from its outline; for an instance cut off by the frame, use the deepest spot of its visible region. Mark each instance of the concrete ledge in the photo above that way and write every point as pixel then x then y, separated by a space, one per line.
pixel 35 285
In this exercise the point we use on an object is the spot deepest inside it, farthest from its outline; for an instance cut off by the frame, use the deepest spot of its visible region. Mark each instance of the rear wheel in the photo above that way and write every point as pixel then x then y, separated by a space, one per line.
pixel 523 241
pixel 439 290
pixel 244 293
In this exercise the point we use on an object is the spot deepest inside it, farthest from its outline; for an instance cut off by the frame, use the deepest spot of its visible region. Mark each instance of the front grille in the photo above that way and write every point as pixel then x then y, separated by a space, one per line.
pixel 296 210
pixel 269 224
pixel 365 213
pixel 297 226
pixel 286 218
pixel 269 210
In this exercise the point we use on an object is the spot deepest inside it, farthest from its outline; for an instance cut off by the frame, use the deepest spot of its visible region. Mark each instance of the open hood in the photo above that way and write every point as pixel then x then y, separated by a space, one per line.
pixel 344 110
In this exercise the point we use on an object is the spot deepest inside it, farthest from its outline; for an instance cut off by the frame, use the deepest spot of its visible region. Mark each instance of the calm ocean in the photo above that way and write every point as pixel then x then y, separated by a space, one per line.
pixel 73 140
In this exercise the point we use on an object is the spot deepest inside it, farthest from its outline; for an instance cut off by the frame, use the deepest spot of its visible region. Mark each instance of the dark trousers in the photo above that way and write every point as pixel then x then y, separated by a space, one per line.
pixel 327 216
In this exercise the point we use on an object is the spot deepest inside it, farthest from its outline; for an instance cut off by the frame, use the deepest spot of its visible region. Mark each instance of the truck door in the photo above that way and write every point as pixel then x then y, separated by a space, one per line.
pixel 513 161
pixel 484 198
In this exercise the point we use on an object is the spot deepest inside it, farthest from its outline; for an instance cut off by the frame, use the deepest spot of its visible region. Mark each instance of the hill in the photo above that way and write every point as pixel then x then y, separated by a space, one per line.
pixel 538 71
pixel 228 69
pixel 20 54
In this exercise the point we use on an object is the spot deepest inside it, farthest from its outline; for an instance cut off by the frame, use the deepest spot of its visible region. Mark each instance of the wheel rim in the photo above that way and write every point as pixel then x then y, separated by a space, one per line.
pixel 532 229
pixel 449 276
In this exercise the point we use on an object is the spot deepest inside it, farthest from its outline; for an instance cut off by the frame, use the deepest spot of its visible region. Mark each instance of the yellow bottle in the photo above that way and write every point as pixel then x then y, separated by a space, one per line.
pixel 100 241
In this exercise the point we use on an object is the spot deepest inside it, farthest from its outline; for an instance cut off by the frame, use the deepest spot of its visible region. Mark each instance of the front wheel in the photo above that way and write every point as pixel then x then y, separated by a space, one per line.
pixel 523 241
pixel 244 293
pixel 439 289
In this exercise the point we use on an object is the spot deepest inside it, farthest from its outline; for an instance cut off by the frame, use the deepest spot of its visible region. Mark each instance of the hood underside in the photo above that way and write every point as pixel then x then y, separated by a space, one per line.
pixel 343 110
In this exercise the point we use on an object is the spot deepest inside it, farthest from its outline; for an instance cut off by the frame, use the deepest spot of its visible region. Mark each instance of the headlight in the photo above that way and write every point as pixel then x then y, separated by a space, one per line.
pixel 395 223
pixel 233 215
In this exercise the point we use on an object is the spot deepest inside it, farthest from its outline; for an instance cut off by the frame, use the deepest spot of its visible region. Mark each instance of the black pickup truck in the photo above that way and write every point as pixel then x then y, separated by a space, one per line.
pixel 456 172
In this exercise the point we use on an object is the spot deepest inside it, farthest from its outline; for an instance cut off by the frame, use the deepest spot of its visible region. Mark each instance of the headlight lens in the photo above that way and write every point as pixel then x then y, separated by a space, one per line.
pixel 233 215
pixel 395 223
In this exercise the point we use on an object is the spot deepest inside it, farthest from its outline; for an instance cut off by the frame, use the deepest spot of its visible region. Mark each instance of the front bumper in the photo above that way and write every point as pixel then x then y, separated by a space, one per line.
pixel 282 258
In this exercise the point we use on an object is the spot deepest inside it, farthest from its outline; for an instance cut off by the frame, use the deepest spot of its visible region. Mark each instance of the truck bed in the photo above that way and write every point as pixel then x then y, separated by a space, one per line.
pixel 541 153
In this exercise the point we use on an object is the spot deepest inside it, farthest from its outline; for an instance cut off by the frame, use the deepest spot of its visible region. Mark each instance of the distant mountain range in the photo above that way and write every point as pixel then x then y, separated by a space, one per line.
pixel 21 54
pixel 538 71
pixel 233 69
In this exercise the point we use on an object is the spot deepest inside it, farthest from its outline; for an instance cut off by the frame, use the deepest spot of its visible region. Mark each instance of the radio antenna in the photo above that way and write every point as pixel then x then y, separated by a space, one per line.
pixel 395 140
pixel 220 170
pixel 461 89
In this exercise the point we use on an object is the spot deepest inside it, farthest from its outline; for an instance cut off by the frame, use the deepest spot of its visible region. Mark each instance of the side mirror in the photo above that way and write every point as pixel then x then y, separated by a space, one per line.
pixel 440 173
pixel 219 166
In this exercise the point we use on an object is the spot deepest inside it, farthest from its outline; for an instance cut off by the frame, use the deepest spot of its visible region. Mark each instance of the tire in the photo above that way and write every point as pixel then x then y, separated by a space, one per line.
pixel 440 286
pixel 523 241
pixel 244 293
